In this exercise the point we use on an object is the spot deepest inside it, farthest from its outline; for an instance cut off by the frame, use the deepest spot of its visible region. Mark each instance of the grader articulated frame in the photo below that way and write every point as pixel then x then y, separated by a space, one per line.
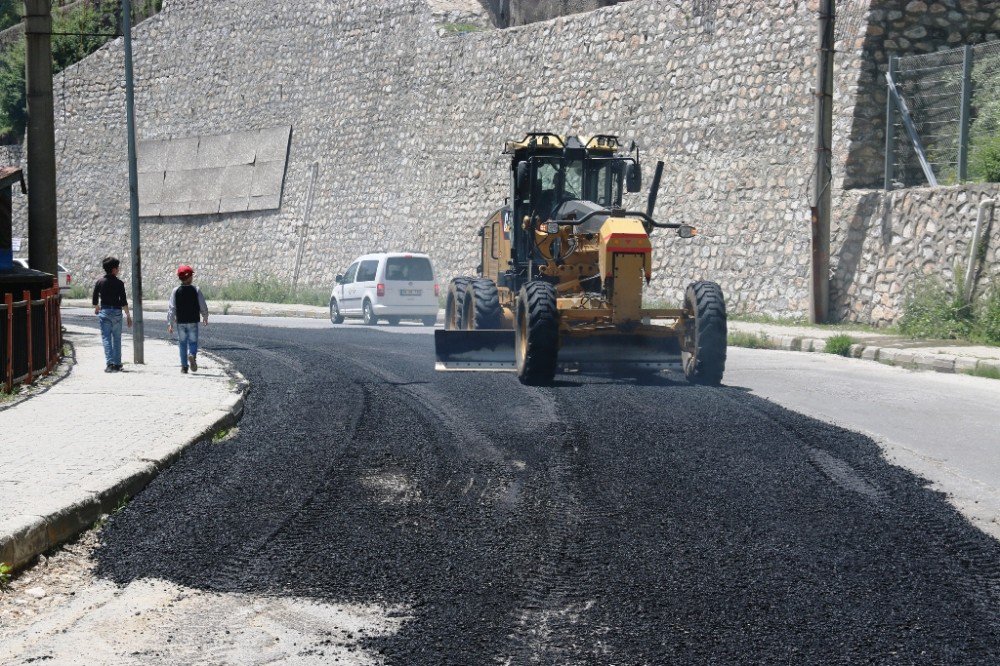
pixel 562 273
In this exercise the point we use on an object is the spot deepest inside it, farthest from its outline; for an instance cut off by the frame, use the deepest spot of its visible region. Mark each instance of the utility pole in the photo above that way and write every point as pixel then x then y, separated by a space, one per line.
pixel 138 337
pixel 822 199
pixel 43 250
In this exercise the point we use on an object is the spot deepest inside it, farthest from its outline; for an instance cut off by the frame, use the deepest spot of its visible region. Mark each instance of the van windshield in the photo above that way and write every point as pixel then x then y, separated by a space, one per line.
pixel 409 269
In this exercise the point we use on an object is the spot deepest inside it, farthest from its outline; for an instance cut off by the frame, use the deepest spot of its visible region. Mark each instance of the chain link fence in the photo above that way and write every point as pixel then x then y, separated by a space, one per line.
pixel 953 98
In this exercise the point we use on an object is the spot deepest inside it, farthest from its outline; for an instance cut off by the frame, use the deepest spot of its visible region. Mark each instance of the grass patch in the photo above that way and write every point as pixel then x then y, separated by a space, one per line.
pixel 265 290
pixel 802 321
pixel 221 435
pixel 839 345
pixel 78 290
pixel 7 396
pixel 6 571
pixel 750 340
pixel 934 310
pixel 986 371
pixel 461 27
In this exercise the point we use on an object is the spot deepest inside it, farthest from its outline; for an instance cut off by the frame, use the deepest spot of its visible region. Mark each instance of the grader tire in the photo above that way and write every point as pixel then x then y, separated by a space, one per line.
pixel 537 334
pixel 455 303
pixel 482 306
pixel 706 337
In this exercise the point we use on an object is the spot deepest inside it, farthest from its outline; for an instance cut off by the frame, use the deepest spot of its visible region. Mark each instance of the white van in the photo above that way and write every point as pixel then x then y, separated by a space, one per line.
pixel 390 286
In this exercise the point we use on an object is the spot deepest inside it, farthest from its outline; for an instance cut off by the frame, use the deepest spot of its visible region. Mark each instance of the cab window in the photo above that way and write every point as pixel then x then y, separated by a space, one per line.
pixel 351 272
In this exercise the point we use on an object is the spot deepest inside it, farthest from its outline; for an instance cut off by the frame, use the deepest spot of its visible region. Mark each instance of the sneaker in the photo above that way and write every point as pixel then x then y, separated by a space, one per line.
pixel 109 368
pixel 119 367
pixel 194 362
pixel 184 370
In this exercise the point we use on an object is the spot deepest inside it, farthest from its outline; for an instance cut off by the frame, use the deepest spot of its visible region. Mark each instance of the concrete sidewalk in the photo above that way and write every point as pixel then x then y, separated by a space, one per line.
pixel 949 356
pixel 93 439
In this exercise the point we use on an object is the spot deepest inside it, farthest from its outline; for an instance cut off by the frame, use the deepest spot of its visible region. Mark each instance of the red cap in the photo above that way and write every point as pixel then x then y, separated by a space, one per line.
pixel 184 271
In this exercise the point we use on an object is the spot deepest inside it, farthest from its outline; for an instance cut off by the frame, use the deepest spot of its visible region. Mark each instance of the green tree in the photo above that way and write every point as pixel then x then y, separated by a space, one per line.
pixel 10 13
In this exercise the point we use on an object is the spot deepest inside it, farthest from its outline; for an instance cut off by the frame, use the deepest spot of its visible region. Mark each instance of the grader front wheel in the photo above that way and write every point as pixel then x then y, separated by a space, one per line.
pixel 455 303
pixel 482 306
pixel 704 350
pixel 536 334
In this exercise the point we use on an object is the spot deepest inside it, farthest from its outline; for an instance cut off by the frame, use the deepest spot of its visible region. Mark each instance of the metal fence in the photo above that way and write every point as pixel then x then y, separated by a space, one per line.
pixel 942 109
pixel 31 339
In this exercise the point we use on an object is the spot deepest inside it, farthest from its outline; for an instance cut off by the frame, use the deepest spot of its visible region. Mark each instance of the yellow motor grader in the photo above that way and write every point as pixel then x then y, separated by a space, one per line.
pixel 562 274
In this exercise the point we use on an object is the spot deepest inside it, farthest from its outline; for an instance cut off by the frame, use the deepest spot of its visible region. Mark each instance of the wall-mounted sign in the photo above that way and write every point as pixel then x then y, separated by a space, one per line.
pixel 15 244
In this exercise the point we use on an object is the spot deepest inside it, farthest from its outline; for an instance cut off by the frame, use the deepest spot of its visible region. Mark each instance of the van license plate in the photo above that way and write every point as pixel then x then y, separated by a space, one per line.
pixel 411 292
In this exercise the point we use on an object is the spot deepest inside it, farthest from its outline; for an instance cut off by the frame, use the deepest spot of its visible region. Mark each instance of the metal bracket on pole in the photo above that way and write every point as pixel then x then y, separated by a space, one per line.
pixel 911 129
pixel 890 131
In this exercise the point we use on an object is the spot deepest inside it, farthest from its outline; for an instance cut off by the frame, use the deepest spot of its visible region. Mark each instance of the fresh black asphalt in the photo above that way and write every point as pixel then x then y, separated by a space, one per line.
pixel 598 521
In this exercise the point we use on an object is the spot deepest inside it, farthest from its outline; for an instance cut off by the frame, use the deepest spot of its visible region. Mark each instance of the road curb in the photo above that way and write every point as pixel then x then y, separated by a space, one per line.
pixel 27 537
pixel 910 359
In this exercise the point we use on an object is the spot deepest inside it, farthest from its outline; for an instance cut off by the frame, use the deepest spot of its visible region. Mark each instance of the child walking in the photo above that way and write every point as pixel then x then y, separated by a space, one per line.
pixel 186 304
pixel 109 303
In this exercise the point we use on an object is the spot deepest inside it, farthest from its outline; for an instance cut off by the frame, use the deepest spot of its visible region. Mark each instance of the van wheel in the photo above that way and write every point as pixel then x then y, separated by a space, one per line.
pixel 455 302
pixel 369 314
pixel 335 316
pixel 429 321
pixel 536 336
pixel 393 321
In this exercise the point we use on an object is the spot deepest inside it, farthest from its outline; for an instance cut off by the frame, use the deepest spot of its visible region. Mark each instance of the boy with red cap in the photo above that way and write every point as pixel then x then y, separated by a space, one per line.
pixel 186 304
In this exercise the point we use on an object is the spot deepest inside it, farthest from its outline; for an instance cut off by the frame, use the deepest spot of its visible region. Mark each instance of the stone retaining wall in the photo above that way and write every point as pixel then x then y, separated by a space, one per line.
pixel 406 127
pixel 892 241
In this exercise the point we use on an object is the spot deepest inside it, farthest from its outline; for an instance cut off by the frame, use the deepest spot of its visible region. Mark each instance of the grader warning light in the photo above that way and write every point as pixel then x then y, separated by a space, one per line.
pixel 562 271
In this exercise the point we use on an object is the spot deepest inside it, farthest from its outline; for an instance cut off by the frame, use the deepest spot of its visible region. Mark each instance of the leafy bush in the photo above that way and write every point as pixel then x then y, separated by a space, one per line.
pixel 984 159
pixel 839 345
pixel 987 321
pixel 5 573
pixel 932 311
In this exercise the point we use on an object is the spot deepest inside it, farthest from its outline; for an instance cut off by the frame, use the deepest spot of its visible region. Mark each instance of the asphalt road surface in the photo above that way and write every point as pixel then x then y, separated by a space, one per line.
pixel 597 521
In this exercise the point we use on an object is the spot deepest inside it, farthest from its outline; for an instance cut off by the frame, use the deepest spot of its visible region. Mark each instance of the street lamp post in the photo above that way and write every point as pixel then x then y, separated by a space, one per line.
pixel 138 337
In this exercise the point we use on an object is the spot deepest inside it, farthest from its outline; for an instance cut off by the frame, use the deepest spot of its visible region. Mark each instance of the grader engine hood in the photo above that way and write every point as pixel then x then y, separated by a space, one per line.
pixel 624 236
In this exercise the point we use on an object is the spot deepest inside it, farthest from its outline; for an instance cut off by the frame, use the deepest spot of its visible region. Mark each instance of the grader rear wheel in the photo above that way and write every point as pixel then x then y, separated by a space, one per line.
pixel 455 303
pixel 704 349
pixel 482 306
pixel 536 334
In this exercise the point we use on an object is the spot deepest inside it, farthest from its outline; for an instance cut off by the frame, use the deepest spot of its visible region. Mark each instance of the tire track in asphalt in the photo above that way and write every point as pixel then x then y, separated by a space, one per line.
pixel 647 522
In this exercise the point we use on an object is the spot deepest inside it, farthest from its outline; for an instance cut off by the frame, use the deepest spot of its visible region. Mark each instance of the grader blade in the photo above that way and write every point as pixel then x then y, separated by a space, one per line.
pixel 474 350
pixel 622 352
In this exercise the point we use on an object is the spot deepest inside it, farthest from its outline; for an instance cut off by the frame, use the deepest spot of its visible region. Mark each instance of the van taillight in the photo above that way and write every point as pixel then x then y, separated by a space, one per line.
pixel 380 290
pixel 437 290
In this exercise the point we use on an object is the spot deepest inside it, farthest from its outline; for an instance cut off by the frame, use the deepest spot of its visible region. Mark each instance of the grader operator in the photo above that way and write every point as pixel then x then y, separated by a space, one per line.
pixel 562 272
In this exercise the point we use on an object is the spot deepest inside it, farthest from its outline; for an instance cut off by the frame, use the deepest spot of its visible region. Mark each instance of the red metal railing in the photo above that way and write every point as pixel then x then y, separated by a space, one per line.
pixel 31 340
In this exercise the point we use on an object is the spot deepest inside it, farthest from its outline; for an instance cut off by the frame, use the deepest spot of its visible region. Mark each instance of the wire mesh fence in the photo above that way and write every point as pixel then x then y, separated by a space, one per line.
pixel 953 98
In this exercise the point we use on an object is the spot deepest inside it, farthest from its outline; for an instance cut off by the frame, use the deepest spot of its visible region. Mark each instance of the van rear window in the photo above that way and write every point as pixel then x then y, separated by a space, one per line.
pixel 409 269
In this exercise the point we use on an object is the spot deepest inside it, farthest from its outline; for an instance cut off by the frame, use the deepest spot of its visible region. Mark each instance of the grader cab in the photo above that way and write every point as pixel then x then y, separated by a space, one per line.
pixel 562 273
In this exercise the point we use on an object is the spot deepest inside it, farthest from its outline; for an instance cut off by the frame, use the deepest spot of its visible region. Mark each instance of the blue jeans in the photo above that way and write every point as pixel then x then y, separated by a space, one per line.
pixel 187 341
pixel 111 334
